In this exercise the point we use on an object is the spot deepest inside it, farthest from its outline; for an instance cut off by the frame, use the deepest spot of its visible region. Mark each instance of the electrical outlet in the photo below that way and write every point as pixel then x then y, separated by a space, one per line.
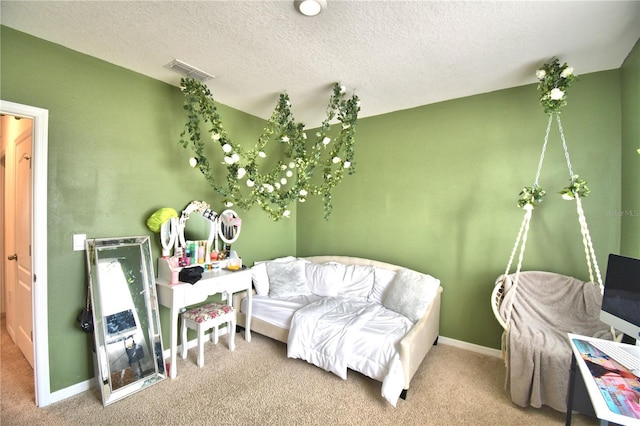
pixel 78 241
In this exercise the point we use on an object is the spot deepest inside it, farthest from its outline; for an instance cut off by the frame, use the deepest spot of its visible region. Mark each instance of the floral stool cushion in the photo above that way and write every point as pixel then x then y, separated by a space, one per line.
pixel 207 312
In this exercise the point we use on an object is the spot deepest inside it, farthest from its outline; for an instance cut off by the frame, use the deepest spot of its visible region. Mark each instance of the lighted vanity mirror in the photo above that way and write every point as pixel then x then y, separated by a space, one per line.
pixel 128 342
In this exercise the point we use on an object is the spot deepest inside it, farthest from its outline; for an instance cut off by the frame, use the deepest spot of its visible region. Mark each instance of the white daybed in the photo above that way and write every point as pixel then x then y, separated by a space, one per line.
pixel 367 290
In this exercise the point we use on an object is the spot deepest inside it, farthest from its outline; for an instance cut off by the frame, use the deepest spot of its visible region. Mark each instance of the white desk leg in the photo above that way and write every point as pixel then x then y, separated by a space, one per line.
pixel 174 341
pixel 247 330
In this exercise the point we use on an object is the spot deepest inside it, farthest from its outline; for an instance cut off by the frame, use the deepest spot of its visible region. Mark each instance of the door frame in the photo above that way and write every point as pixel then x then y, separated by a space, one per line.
pixel 40 144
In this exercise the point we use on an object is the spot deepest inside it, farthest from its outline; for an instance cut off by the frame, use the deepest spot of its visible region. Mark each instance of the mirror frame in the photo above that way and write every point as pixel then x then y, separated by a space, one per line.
pixel 229 226
pixel 137 269
pixel 204 209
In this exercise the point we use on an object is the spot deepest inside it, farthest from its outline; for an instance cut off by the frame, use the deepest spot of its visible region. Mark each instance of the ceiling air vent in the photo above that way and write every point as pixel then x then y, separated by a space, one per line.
pixel 188 71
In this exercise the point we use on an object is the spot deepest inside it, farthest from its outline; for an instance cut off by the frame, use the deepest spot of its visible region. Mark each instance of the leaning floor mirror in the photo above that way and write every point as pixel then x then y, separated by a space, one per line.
pixel 128 342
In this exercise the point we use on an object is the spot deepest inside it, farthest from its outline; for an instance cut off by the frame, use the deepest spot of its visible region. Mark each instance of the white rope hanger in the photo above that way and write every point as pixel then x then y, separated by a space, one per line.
pixel 521 238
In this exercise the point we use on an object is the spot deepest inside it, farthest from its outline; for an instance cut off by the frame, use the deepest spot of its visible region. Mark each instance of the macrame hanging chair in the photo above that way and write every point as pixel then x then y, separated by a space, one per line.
pixel 536 308
pixel 553 82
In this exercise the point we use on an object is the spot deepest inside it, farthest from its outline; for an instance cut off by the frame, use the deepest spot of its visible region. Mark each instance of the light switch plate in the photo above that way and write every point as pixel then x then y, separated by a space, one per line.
pixel 78 241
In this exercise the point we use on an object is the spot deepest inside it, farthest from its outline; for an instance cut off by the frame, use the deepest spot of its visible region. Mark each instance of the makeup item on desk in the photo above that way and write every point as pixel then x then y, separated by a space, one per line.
pixel 174 265
pixel 193 253
pixel 201 251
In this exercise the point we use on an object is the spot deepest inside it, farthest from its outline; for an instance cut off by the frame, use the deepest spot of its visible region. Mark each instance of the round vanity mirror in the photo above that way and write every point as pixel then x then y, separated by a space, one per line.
pixel 229 225
pixel 198 222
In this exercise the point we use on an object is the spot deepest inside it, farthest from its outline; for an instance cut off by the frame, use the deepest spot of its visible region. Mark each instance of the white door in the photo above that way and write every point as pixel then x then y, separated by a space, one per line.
pixel 24 283
pixel 38 120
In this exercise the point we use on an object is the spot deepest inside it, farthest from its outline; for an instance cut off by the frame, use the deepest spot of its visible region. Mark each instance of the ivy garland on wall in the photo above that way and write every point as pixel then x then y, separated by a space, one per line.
pixel 292 178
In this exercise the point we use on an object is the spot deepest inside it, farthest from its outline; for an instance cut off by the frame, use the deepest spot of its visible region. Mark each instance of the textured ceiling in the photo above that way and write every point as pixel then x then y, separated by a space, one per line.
pixel 394 54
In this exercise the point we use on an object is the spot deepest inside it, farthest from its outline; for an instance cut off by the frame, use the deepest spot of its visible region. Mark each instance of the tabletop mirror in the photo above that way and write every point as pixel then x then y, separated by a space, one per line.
pixel 128 341
pixel 200 226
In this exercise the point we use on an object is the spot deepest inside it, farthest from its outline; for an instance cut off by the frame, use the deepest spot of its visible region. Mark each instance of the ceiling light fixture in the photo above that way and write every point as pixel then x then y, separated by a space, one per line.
pixel 310 7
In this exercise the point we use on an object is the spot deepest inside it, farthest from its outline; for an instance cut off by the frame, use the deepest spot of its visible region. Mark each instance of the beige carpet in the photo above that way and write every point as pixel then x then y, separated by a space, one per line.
pixel 257 385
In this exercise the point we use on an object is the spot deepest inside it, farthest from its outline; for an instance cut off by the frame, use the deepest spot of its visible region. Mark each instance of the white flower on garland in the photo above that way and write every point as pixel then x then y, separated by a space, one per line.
pixel 261 154
pixel 241 172
pixel 347 164
pixel 556 94
pixel 326 141
pixel 335 160
pixel 193 161
pixel 566 72
pixel 227 148
pixel 286 213
pixel 250 183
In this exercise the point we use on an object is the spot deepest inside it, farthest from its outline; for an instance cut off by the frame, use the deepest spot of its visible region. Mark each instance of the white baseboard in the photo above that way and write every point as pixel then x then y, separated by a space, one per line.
pixel 470 346
pixel 73 390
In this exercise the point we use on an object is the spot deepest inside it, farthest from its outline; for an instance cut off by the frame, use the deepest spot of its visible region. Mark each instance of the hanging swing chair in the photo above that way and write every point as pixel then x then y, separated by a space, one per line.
pixel 538 308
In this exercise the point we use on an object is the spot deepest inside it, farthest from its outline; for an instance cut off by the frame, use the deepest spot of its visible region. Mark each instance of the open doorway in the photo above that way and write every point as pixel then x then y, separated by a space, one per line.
pixel 35 157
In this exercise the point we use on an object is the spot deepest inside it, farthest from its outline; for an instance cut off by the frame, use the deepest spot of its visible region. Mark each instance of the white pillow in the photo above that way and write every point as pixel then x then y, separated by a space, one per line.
pixel 411 293
pixel 324 279
pixel 259 274
pixel 287 278
pixel 358 281
pixel 382 279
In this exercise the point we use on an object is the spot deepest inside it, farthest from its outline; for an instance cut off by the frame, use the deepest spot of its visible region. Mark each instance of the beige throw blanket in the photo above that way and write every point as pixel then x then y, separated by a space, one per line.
pixel 546 306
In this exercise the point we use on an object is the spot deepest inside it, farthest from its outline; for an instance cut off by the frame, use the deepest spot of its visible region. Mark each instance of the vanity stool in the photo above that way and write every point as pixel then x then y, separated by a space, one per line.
pixel 205 317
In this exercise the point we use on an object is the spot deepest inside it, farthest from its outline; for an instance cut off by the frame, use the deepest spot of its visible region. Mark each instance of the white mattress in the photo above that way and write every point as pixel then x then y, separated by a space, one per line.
pixel 277 311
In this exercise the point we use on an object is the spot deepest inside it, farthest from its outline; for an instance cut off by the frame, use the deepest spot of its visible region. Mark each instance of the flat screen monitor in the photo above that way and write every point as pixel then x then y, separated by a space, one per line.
pixel 621 299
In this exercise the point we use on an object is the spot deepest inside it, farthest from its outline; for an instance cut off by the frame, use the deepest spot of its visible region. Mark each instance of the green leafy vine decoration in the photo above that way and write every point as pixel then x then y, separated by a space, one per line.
pixel 553 81
pixel 292 178
pixel 531 196
pixel 577 188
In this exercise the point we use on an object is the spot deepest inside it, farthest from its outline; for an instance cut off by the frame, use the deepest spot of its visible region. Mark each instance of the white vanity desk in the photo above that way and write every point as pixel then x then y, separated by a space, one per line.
pixel 179 296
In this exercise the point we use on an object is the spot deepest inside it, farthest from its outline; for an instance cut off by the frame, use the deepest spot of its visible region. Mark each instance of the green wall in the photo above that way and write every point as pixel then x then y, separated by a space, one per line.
pixel 114 158
pixel 435 188
pixel 630 211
